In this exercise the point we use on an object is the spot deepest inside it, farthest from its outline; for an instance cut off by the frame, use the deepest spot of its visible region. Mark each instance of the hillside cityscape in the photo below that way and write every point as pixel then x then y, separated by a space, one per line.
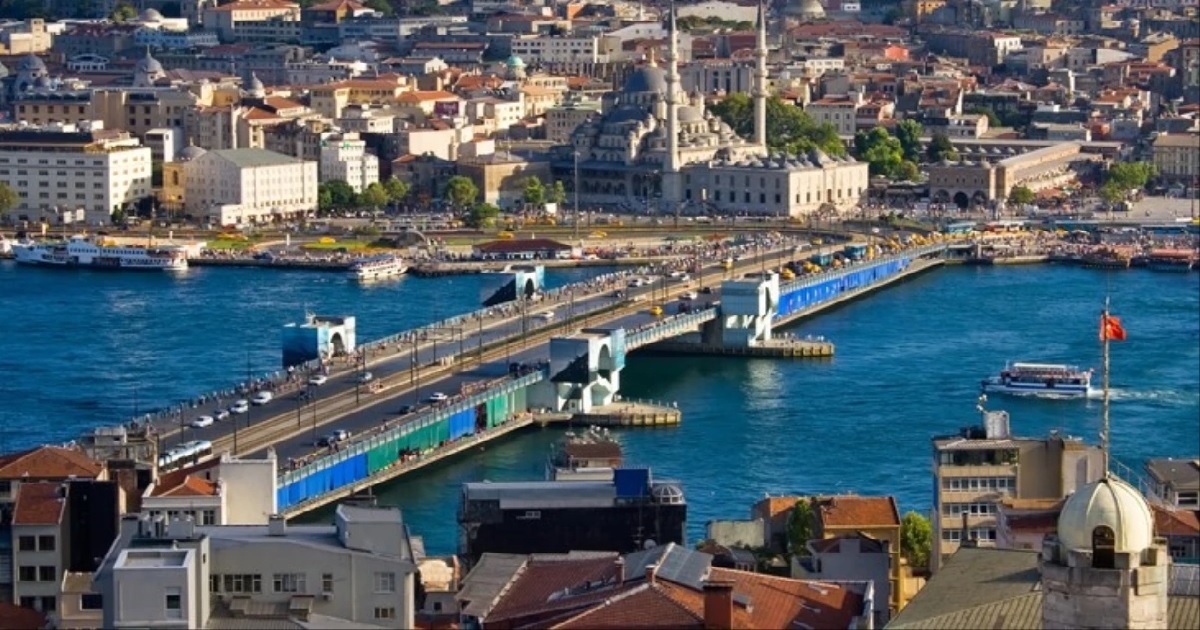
pixel 575 314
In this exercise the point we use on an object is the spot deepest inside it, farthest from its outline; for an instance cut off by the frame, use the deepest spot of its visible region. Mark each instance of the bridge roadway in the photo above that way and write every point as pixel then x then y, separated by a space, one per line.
pixel 289 423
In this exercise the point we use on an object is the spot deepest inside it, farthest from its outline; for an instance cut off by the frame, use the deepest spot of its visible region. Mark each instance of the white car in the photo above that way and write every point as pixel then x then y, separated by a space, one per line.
pixel 365 377
pixel 437 397
pixel 241 406
pixel 262 398
pixel 220 414
pixel 202 421
pixel 546 316
pixel 319 379
pixel 688 295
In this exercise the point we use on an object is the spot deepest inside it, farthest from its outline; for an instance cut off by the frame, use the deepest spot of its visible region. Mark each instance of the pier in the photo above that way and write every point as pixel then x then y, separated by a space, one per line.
pixel 560 358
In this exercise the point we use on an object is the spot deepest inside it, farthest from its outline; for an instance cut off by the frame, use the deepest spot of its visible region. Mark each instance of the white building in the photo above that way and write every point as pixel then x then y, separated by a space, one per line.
pixel 345 157
pixel 240 186
pixel 360 570
pixel 564 49
pixel 779 185
pixel 225 491
pixel 56 169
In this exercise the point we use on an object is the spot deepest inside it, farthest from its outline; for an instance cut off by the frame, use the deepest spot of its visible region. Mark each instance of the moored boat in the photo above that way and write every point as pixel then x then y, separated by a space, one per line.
pixel 1107 258
pixel 378 267
pixel 1040 379
pixel 83 251
pixel 1182 260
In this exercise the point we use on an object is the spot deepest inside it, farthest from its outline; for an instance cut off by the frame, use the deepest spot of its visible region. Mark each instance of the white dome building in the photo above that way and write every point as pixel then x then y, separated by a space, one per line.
pixel 1105 568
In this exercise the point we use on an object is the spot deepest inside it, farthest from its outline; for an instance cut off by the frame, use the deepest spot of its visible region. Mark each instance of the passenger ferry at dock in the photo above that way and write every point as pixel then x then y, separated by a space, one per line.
pixel 83 251
pixel 1107 258
pixel 1181 260
pixel 1041 379
pixel 378 267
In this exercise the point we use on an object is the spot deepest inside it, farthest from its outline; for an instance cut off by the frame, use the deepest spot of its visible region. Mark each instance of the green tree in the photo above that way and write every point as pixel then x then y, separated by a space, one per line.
pixel 916 539
pixel 1112 193
pixel 341 195
pixel 940 148
pixel 123 12
pixel 1021 196
pixel 878 148
pixel 535 191
pixel 324 198
pixel 461 191
pixel 557 193
pixel 117 217
pixel 789 128
pixel 993 119
pixel 908 132
pixel 907 171
pixel 396 189
pixel 374 195
pixel 482 215
pixel 1130 175
pixel 8 198
pixel 800 527
pixel 382 6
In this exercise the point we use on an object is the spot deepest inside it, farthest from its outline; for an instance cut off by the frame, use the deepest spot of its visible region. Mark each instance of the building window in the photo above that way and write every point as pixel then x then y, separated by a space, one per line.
pixel 46 543
pixel 385 612
pixel 385 582
pixel 214 583
pixel 243 583
pixel 174 603
pixel 91 601
pixel 27 543
pixel 208 517
pixel 29 602
pixel 47 574
pixel 290 583
pixel 49 604
pixel 27 574
pixel 326 582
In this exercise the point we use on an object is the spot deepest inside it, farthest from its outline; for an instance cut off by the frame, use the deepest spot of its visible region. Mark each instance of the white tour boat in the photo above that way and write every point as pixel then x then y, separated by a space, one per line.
pixel 1041 379
pixel 379 267
pixel 82 251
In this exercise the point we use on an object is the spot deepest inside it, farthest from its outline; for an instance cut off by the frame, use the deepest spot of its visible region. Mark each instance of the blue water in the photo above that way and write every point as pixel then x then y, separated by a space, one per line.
pixel 908 364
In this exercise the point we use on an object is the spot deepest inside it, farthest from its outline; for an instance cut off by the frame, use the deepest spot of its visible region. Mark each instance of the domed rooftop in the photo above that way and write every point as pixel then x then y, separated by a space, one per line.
pixel 689 113
pixel 1110 503
pixel 150 15
pixel 190 152
pixel 646 79
pixel 804 9
pixel 148 65
pixel 515 62
pixel 31 63
pixel 254 85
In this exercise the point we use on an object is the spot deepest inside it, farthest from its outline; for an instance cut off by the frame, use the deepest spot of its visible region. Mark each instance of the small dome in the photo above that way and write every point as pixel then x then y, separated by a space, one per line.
pixel 646 79
pixel 255 87
pixel 31 63
pixel 688 114
pixel 42 83
pixel 805 9
pixel 1111 503
pixel 190 153
pixel 150 15
pixel 515 62
pixel 667 493
pixel 148 65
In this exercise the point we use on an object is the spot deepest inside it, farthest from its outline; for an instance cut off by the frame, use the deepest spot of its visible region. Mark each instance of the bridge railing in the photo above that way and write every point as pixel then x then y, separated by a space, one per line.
pixel 419 421
pixel 916 252
pixel 668 327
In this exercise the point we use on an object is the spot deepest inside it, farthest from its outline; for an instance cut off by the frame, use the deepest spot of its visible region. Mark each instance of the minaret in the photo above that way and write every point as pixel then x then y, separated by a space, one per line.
pixel 671 179
pixel 760 80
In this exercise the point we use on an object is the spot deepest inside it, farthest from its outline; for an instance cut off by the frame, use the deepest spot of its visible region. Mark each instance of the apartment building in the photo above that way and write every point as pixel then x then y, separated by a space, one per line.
pixel 1177 157
pixel 1176 482
pixel 360 570
pixel 562 120
pixel 246 186
pixel 224 491
pixel 345 157
pixel 981 466
pixel 564 49
pixel 61 169
pixel 228 19
pixel 839 111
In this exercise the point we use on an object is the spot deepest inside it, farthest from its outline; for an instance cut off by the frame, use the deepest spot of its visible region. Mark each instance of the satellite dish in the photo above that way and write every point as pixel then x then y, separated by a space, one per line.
pixel 649 544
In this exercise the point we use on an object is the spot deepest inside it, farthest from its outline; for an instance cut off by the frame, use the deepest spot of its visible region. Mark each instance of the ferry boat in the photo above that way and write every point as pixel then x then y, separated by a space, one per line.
pixel 1040 379
pixel 83 251
pixel 1183 260
pixel 379 267
pixel 1107 258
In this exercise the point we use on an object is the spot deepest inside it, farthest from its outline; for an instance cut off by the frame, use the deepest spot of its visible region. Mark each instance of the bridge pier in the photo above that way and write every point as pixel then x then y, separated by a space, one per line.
pixel 320 336
pixel 585 371
pixel 515 282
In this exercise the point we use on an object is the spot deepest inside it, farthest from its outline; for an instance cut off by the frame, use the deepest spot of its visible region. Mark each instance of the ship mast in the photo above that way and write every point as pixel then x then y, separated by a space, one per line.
pixel 1104 438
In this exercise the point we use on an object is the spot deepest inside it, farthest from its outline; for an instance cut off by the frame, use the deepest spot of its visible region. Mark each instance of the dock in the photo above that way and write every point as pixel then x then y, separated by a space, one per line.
pixel 779 347
pixel 311 265
pixel 630 413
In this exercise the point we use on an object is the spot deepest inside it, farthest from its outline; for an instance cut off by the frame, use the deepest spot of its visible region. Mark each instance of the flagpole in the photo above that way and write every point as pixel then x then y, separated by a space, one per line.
pixel 1104 443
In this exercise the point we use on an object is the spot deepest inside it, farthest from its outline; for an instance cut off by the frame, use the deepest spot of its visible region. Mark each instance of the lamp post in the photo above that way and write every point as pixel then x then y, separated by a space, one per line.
pixel 576 195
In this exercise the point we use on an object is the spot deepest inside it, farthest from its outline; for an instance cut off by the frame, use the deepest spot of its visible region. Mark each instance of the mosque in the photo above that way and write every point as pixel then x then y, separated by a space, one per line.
pixel 655 146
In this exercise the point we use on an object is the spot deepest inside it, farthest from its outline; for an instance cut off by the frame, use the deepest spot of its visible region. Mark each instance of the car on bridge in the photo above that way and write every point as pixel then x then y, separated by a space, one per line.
pixel 365 377
pixel 262 398
pixel 318 379
pixel 240 406
pixel 437 397
pixel 220 414
pixel 202 421
pixel 406 409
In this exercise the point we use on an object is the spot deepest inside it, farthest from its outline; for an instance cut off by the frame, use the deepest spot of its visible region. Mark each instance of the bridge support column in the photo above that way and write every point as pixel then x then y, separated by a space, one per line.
pixel 747 308
pixel 585 371
pixel 514 283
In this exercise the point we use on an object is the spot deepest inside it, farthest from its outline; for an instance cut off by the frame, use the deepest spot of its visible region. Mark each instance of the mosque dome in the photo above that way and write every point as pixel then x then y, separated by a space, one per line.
pixel 646 79
pixel 150 15
pixel 690 113
pixel 190 153
pixel 515 62
pixel 804 9
pixel 148 65
pixel 31 63
pixel 1109 503
pixel 255 87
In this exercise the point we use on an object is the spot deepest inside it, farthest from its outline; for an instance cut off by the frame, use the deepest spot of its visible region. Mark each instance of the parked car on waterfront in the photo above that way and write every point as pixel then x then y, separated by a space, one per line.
pixel 202 421
pixel 241 406
pixel 318 380
pixel 262 398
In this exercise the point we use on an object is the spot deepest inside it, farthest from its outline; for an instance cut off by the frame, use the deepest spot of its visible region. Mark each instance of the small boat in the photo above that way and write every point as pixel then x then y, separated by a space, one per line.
pixel 378 267
pixel 1040 379
pixel 1181 260
pixel 1107 258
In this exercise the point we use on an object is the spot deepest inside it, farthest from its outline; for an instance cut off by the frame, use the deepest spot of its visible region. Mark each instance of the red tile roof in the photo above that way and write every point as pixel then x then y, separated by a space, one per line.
pixel 49 462
pixel 777 602
pixel 190 486
pixel 1176 522
pixel 548 586
pixel 659 605
pixel 13 617
pixel 855 511
pixel 39 504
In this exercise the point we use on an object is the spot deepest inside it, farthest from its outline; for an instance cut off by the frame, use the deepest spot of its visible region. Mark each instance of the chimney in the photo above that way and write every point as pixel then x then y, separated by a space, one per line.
pixel 276 525
pixel 620 570
pixel 965 539
pixel 651 570
pixel 718 605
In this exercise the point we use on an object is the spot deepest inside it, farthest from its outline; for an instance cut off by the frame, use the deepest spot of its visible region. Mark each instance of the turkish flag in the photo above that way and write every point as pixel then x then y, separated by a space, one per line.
pixel 1110 328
